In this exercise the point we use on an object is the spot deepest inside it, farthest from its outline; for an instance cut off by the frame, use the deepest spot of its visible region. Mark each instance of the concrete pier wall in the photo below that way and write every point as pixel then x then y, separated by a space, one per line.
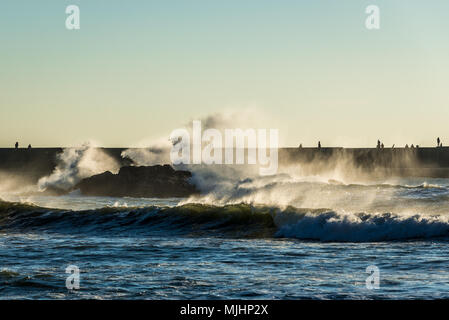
pixel 38 162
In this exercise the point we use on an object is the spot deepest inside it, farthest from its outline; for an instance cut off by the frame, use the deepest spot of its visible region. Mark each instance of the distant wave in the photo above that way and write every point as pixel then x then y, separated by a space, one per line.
pixel 424 185
pixel 236 221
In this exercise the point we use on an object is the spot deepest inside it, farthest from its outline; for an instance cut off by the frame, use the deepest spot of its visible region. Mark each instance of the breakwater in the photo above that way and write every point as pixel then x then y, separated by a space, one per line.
pixel 433 162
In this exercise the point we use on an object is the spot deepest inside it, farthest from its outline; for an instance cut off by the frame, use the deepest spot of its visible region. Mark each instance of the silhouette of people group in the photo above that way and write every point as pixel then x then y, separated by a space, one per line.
pixel 16 145
pixel 380 145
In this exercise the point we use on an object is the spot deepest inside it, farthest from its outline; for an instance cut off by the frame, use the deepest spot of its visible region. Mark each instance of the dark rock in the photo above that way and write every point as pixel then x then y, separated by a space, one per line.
pixel 146 182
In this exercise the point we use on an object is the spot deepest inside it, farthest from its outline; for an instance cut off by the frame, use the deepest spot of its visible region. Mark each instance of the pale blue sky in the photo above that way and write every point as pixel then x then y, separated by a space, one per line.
pixel 139 69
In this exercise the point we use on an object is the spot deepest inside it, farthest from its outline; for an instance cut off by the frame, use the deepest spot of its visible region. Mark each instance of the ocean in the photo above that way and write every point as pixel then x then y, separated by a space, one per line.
pixel 265 238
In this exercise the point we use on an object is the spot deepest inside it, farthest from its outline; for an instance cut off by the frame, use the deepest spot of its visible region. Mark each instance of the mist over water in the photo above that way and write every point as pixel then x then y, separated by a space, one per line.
pixel 246 236
pixel 75 164
pixel 308 231
pixel 331 199
pixel 302 207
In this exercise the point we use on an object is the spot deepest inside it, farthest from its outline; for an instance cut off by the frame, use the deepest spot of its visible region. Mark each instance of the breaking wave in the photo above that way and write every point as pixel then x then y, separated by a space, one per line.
pixel 236 221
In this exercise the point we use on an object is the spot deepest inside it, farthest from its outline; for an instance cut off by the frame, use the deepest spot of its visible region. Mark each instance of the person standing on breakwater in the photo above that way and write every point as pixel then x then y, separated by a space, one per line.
pixel 17 145
pixel 319 144
pixel 438 142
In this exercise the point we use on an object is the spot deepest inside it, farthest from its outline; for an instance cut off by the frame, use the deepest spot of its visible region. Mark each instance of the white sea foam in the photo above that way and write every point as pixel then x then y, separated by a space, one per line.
pixel 75 164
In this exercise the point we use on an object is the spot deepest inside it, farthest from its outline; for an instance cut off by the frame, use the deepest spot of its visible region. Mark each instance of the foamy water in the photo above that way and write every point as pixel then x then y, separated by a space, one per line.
pixel 274 237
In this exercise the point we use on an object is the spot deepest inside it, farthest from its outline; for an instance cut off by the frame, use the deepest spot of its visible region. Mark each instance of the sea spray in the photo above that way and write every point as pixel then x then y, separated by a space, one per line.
pixel 75 164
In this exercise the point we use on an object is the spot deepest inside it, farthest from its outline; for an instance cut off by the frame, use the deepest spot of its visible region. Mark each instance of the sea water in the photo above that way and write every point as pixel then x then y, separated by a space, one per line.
pixel 317 247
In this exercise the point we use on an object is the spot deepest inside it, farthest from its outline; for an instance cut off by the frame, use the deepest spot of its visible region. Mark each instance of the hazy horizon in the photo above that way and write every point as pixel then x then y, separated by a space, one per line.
pixel 136 72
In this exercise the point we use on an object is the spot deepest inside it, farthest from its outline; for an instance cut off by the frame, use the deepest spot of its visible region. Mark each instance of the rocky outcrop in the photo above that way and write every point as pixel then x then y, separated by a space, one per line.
pixel 146 182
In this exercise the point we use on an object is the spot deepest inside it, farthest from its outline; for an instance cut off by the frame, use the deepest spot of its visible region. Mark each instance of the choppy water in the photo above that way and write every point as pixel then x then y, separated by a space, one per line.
pixel 317 247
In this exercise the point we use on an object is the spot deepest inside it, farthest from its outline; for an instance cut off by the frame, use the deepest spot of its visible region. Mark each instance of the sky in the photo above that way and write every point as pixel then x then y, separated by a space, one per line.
pixel 137 70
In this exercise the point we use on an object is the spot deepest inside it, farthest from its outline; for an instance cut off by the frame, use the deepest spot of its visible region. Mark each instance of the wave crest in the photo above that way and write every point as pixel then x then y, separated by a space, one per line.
pixel 237 221
pixel 363 227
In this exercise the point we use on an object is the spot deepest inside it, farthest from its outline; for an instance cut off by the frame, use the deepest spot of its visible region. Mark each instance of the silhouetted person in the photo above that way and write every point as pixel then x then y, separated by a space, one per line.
pixel 438 141
pixel 29 146
pixel 392 147
pixel 300 146
pixel 406 146
pixel 17 145
pixel 378 144
pixel 412 146
pixel 319 145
